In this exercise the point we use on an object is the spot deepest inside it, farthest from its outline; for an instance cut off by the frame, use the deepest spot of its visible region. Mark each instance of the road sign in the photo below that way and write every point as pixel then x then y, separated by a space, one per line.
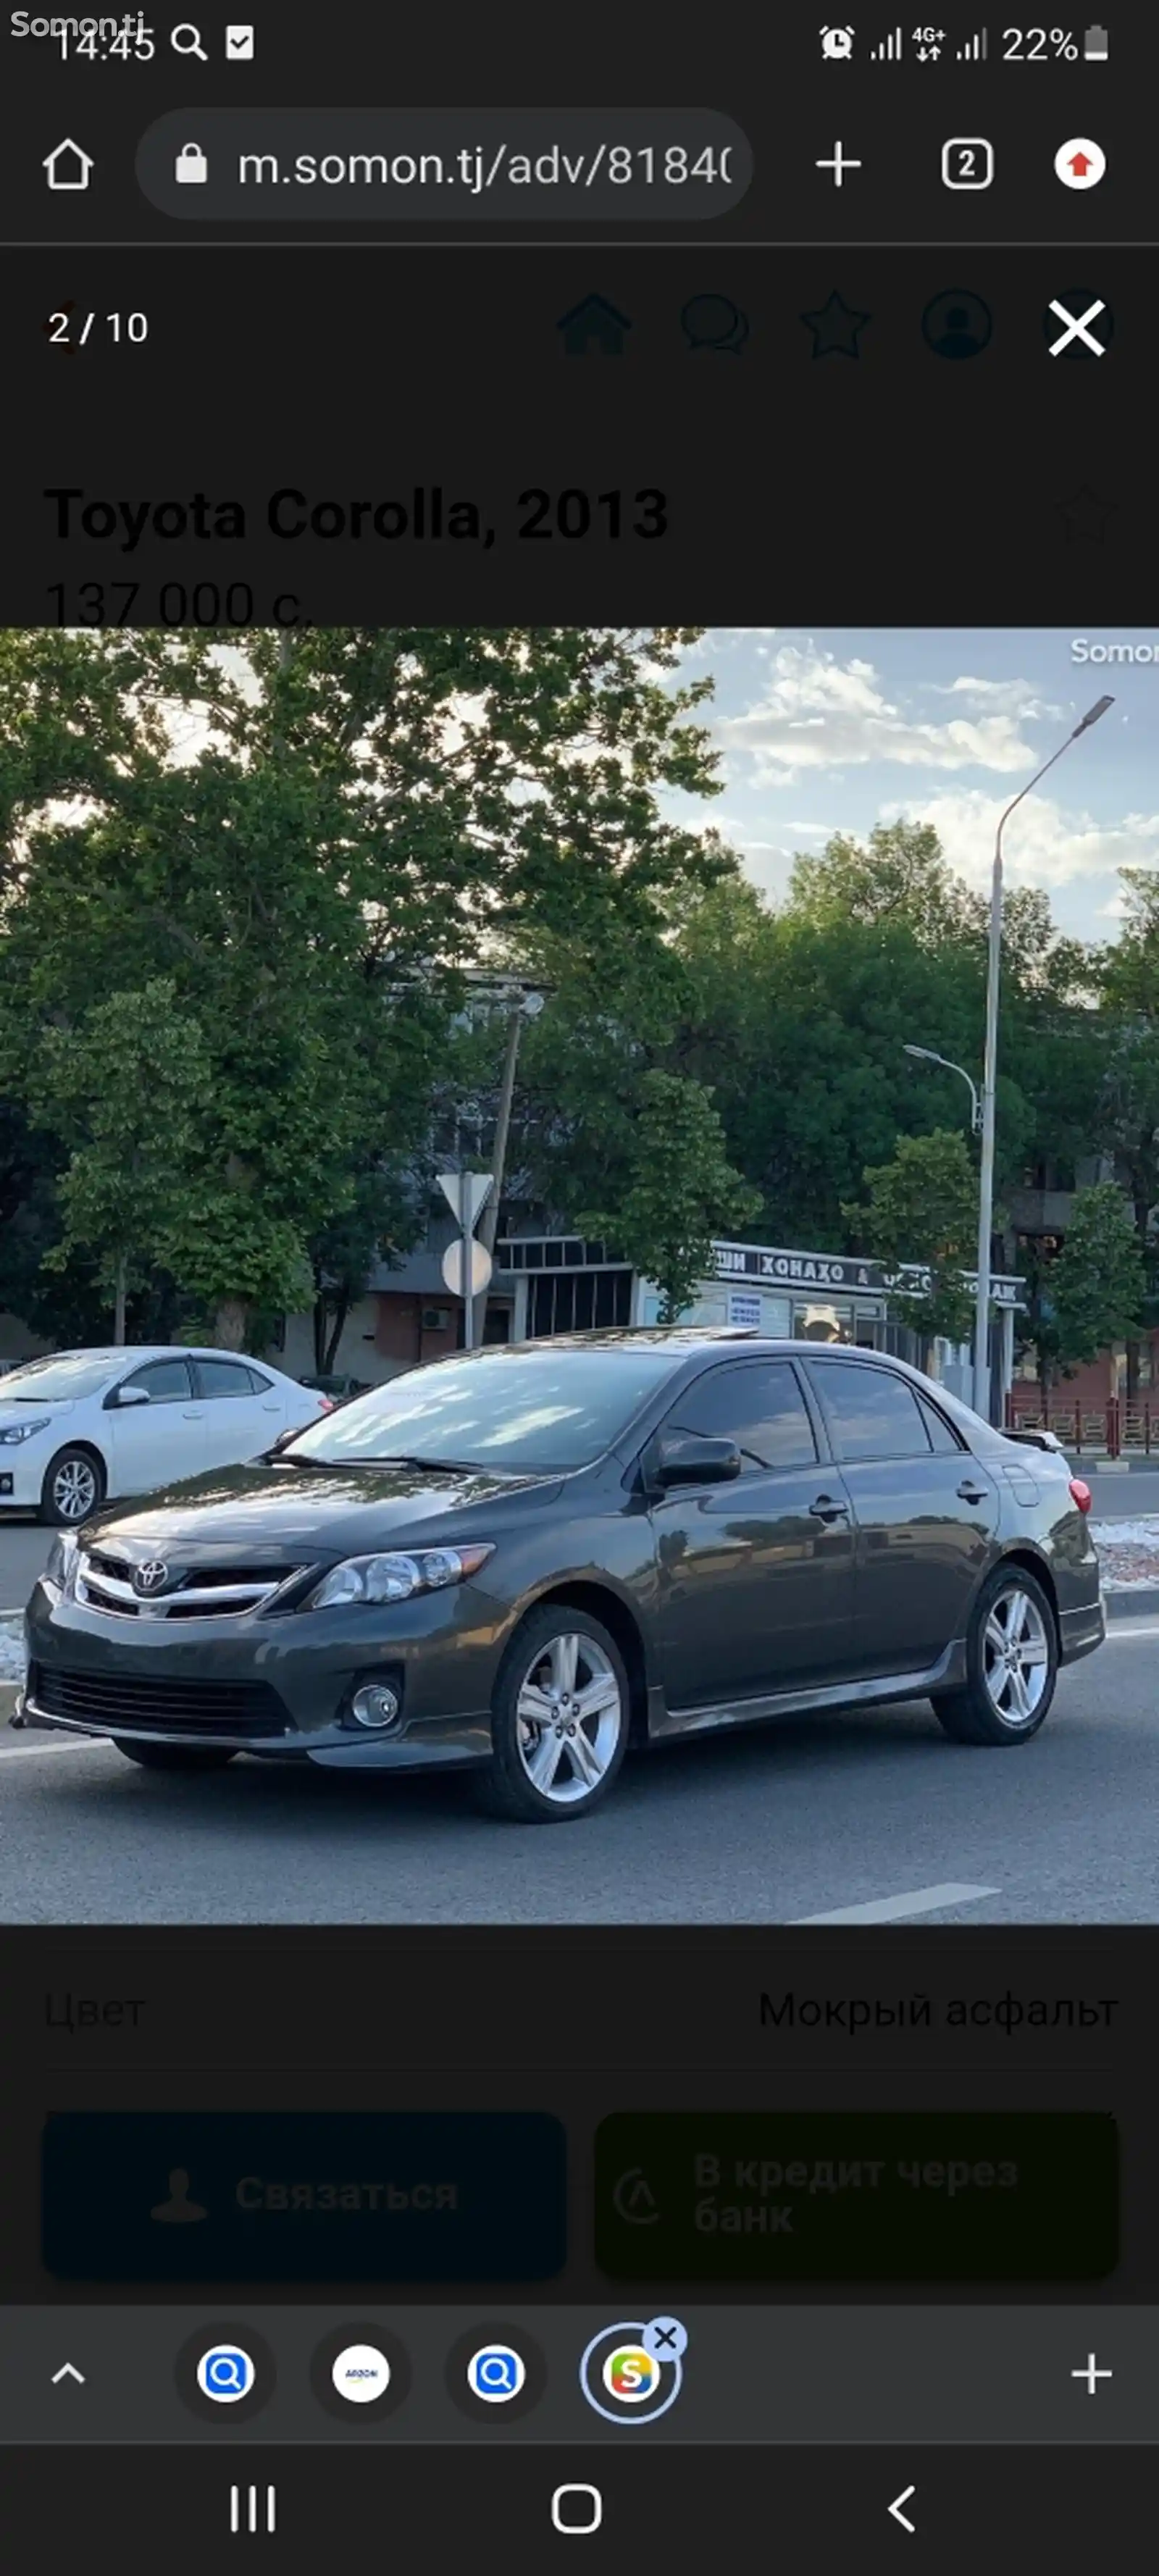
pixel 481 1268
pixel 478 1188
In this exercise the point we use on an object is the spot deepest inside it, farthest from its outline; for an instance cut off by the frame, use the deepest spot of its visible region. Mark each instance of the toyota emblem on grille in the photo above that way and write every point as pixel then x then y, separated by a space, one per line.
pixel 151 1577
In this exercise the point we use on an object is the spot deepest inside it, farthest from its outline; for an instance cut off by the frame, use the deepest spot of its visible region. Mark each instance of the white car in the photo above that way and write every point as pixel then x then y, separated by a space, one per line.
pixel 78 1426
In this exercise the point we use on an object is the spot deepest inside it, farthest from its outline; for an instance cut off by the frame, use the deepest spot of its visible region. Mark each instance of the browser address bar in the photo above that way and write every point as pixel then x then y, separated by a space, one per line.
pixel 391 165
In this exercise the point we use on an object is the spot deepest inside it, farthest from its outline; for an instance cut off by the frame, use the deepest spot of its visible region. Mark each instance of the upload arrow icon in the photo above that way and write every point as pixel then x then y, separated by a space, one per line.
pixel 1080 163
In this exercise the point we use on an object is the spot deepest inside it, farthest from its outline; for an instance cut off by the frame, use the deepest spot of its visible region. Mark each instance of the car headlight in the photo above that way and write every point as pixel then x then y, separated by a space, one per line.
pixel 61 1559
pixel 397 1578
pixel 14 1432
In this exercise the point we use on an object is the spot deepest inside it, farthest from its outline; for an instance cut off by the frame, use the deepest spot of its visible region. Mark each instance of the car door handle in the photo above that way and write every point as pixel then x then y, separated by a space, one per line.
pixel 825 1509
pixel 973 1493
pixel 193 1415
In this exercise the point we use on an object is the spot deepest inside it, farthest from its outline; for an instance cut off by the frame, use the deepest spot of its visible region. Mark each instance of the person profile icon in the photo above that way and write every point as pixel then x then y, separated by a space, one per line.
pixel 957 326
pixel 179 2210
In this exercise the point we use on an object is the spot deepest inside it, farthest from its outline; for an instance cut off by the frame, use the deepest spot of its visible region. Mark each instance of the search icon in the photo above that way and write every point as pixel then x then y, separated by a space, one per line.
pixel 495 2372
pixel 186 39
pixel 225 2373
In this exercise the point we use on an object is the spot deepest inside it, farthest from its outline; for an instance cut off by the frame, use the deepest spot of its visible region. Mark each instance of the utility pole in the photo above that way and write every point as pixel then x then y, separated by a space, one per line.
pixel 523 1006
pixel 990 1069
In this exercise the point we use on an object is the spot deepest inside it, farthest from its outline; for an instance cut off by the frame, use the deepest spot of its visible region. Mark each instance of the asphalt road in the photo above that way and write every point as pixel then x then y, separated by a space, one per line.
pixel 783 1823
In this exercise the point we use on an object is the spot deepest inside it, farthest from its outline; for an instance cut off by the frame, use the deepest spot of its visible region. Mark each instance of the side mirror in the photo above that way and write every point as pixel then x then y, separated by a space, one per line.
pixel 132 1395
pixel 687 1460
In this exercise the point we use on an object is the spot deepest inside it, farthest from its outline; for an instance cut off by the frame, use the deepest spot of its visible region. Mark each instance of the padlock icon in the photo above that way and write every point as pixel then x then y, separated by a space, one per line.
pixel 191 168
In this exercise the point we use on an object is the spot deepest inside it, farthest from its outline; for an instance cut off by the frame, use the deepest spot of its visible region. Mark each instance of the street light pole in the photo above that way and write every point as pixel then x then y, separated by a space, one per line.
pixel 990 1068
pixel 928 1057
pixel 526 1005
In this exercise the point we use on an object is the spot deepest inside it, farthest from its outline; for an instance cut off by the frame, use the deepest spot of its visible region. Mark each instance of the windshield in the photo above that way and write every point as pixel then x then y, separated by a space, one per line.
pixel 62 1374
pixel 547 1410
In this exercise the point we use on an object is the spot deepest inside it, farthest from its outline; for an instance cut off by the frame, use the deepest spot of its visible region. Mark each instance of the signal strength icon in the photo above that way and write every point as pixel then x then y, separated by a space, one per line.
pixel 974 50
pixel 889 50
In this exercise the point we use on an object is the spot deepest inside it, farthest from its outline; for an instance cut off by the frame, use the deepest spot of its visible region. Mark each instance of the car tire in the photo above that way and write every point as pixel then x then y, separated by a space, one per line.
pixel 535 1775
pixel 176 1757
pixel 73 1473
pixel 1011 1664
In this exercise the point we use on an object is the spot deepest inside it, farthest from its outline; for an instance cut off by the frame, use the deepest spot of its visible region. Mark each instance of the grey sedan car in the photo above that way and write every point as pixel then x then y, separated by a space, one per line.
pixel 520 1560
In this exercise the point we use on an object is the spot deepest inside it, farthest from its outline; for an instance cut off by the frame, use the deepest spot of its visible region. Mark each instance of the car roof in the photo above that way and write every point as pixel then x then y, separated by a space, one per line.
pixel 133 1352
pixel 691 1337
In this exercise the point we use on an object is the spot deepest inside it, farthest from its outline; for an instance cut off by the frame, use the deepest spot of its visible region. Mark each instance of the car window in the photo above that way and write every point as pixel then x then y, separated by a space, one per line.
pixel 759 1405
pixel 942 1439
pixel 872 1413
pixel 223 1377
pixel 546 1407
pixel 165 1381
pixel 259 1385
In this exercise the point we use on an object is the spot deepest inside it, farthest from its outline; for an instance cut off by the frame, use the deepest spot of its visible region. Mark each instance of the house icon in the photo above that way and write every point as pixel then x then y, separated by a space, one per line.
pixel 68 166
pixel 593 327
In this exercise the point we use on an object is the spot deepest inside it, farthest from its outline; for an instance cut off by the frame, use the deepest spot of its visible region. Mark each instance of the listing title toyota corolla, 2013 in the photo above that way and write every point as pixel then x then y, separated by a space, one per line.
pixel 522 1560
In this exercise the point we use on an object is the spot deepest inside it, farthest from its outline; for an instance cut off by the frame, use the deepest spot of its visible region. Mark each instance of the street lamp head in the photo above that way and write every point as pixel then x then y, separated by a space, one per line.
pixel 532 1005
pixel 924 1053
pixel 1092 715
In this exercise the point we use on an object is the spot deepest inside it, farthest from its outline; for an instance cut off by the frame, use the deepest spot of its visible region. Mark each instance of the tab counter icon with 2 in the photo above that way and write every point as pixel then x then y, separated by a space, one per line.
pixel 191 169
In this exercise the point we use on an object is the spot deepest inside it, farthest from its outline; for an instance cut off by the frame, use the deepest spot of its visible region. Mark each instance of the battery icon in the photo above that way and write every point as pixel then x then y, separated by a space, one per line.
pixel 1095 45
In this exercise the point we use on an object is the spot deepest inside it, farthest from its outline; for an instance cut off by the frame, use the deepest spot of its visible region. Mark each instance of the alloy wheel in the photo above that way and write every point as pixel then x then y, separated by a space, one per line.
pixel 569 1716
pixel 1015 1656
pixel 74 1489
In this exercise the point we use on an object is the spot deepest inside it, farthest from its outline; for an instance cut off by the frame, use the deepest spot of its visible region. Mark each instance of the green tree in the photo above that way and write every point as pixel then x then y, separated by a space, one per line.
pixel 124 1086
pixel 383 1220
pixel 1097 1281
pixel 311 839
pixel 680 1193
pixel 923 1207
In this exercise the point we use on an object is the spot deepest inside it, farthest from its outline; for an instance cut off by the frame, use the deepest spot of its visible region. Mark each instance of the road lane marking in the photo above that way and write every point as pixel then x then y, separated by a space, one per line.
pixel 895 1909
pixel 1123 1632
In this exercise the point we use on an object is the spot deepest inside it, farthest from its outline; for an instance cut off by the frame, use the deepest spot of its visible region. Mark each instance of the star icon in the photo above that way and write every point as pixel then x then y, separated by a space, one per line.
pixel 1085 514
pixel 835 327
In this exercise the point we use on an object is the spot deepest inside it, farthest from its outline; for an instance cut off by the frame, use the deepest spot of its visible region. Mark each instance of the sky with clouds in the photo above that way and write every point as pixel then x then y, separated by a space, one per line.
pixel 838 730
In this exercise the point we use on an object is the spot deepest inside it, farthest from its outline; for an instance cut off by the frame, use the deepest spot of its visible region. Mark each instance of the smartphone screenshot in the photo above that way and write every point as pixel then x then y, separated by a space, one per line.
pixel 579 1290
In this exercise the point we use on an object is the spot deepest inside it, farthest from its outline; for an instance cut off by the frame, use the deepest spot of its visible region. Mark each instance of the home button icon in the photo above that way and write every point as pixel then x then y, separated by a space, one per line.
pixel 577 2509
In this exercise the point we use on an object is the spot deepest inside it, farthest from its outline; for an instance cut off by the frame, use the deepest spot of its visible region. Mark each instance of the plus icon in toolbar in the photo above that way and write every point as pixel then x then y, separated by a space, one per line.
pixel 838 164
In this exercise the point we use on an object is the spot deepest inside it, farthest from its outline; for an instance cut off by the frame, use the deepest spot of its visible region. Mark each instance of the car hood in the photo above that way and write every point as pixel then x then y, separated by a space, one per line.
pixel 49 1411
pixel 278 1510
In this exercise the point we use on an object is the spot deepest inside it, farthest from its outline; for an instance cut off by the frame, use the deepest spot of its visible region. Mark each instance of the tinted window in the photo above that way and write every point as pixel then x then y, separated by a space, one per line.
pixel 165 1381
pixel 872 1414
pixel 223 1377
pixel 941 1437
pixel 259 1385
pixel 547 1408
pixel 759 1406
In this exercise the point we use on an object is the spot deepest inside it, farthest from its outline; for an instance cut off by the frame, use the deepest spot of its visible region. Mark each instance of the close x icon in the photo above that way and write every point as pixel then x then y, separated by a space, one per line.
pixel 1078 324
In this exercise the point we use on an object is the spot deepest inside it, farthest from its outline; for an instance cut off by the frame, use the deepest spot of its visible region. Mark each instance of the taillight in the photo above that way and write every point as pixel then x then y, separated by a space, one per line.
pixel 1080 1493
pixel 326 1405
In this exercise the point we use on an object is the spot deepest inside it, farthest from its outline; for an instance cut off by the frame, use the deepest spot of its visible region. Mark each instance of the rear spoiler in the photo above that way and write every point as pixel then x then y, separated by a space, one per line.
pixel 1036 1440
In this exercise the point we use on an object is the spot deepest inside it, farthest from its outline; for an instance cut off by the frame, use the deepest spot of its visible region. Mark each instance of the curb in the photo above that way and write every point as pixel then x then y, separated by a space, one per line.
pixel 9 1694
pixel 1142 1599
pixel 1084 1466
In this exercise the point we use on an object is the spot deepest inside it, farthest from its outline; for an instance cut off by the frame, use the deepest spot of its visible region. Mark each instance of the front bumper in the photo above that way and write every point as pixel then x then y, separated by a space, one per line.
pixel 276 1687
pixel 22 1473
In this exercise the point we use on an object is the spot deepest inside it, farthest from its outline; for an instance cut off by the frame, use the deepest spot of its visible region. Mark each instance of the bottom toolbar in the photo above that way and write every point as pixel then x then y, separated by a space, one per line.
pixel 668 2510
pixel 641 2374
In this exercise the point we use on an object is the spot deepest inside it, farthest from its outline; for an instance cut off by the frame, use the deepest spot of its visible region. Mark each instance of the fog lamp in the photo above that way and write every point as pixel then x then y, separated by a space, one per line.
pixel 375 1705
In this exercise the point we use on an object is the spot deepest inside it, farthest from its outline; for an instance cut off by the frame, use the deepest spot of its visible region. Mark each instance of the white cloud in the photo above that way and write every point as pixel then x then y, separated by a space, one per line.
pixel 1044 844
pixel 818 713
pixel 1008 697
